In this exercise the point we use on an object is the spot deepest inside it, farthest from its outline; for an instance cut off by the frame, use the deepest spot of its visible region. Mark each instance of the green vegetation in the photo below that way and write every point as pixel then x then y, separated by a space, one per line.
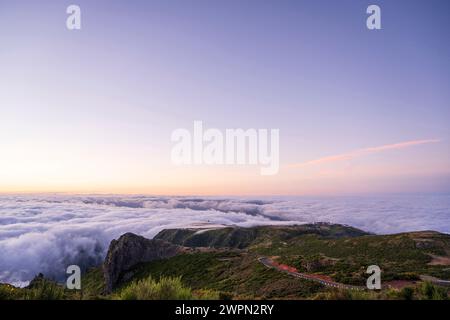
pixel 232 274
pixel 429 291
pixel 229 268
pixel 340 252
pixel 424 291
pixel 39 289
pixel 400 257
pixel 8 292
pixel 93 285
pixel 150 289
pixel 47 290
pixel 241 238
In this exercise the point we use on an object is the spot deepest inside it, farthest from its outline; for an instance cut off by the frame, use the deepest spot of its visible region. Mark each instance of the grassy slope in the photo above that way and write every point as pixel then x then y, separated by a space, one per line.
pixel 401 256
pixel 338 251
pixel 335 250
pixel 235 274
pixel 247 237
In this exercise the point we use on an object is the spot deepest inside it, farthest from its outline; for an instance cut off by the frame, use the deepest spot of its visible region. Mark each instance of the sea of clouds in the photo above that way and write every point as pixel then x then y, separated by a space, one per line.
pixel 46 233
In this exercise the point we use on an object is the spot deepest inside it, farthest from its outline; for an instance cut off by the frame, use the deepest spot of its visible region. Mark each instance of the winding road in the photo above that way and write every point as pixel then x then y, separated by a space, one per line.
pixel 269 263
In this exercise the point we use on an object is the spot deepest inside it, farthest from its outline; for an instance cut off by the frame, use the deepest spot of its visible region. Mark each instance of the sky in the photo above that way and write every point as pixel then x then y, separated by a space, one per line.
pixel 92 110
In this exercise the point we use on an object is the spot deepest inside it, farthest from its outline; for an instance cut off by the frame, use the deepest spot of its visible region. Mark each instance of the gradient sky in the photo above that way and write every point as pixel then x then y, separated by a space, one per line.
pixel 359 111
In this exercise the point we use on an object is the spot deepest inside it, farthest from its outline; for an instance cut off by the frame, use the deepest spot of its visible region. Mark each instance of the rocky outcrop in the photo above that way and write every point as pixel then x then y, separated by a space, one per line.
pixel 36 281
pixel 131 249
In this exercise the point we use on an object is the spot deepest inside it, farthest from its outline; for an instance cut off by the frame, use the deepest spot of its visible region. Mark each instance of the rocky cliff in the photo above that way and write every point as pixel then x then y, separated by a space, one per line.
pixel 131 249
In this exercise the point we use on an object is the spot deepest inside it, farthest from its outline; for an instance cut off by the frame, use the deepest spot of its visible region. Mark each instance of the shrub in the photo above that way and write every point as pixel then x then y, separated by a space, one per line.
pixel 45 290
pixel 8 292
pixel 342 294
pixel 407 293
pixel 149 289
pixel 42 289
pixel 430 291
pixel 207 294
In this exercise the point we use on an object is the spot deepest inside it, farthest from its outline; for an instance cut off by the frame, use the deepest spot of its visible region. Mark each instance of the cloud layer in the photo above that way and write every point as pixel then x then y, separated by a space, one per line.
pixel 47 233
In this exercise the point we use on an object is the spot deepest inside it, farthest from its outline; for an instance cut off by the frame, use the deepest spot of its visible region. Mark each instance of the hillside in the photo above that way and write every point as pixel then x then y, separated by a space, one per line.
pixel 226 263
pixel 240 238
pixel 337 252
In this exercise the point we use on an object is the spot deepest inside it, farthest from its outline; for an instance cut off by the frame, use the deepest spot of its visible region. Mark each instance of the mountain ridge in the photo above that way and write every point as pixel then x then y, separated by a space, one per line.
pixel 227 261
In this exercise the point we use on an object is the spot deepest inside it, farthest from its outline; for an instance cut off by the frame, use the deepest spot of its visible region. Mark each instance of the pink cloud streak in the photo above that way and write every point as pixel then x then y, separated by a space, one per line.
pixel 362 152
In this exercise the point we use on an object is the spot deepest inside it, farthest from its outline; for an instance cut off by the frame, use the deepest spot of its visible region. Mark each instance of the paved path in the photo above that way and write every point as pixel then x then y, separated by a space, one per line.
pixel 270 264
pixel 439 282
